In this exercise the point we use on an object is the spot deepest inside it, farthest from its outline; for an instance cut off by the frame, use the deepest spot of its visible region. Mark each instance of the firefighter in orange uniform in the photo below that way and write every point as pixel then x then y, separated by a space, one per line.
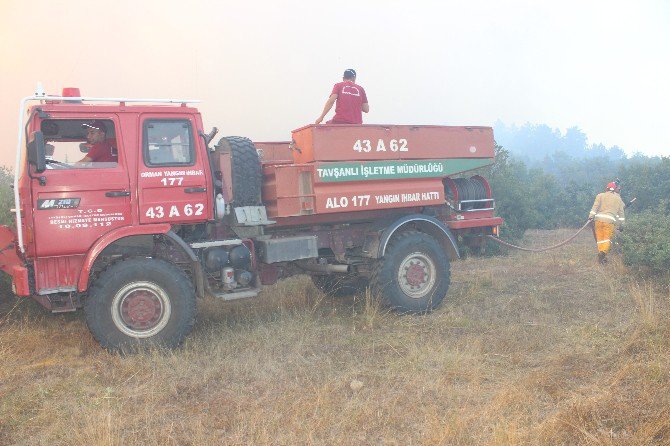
pixel 607 211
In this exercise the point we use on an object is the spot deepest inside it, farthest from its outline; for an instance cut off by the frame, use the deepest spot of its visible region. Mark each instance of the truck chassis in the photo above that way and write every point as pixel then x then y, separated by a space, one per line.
pixel 171 218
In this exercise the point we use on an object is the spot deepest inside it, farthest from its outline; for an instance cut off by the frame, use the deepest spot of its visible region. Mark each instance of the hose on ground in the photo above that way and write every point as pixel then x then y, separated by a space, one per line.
pixel 509 245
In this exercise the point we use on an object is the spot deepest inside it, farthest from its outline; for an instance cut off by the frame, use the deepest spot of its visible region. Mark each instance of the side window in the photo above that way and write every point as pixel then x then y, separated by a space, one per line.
pixel 80 143
pixel 168 143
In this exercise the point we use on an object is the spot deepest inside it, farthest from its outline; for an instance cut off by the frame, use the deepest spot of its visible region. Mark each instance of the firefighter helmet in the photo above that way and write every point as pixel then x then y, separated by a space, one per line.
pixel 611 186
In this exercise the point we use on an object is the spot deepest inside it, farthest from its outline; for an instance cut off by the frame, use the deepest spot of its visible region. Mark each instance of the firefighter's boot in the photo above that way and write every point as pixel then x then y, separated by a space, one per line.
pixel 602 258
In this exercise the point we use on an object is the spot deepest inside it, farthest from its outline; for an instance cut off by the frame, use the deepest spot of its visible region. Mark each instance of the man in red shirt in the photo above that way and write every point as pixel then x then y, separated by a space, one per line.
pixel 102 150
pixel 351 101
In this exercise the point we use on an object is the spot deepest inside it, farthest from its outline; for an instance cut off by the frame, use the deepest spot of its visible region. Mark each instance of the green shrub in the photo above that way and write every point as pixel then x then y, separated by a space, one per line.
pixel 646 241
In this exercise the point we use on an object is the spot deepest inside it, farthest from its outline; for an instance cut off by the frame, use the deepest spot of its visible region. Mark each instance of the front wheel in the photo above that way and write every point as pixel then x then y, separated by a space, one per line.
pixel 413 276
pixel 141 302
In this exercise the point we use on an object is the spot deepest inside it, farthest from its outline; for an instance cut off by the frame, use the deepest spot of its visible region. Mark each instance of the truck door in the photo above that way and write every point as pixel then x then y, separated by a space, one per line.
pixel 173 172
pixel 77 199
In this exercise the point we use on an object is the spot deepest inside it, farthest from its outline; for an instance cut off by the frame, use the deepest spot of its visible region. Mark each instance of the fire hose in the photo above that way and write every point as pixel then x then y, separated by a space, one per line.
pixel 568 240
pixel 588 222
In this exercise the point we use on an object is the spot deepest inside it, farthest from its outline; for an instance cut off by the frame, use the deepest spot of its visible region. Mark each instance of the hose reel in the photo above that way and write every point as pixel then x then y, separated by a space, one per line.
pixel 468 194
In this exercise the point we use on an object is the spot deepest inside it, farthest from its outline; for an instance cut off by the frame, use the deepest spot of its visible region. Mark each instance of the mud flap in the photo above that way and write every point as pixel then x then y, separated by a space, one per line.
pixel 11 264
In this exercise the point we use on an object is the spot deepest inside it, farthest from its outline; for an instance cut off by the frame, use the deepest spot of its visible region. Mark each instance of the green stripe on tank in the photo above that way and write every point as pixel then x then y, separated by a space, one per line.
pixel 388 170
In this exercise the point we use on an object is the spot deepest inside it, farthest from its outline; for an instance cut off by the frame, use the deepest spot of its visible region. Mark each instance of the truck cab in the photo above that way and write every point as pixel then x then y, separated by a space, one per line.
pixel 72 202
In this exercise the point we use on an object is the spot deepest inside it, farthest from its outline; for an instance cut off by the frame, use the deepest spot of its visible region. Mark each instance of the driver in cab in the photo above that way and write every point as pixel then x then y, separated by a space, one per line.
pixel 101 149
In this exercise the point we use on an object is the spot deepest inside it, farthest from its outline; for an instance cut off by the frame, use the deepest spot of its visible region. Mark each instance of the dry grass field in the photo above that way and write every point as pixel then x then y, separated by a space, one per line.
pixel 537 349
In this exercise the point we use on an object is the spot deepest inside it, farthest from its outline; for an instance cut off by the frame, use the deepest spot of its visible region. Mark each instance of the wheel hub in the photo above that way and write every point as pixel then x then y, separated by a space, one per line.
pixel 141 309
pixel 417 275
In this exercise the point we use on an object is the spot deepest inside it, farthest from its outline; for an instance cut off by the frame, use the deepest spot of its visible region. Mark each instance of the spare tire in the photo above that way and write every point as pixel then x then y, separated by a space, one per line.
pixel 245 170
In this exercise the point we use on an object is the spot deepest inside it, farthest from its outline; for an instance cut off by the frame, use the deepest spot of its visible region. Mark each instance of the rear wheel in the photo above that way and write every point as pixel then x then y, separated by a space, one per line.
pixel 139 303
pixel 413 276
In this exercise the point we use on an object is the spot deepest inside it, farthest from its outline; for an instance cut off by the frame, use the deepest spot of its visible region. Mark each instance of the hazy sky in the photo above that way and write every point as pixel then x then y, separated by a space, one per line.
pixel 263 68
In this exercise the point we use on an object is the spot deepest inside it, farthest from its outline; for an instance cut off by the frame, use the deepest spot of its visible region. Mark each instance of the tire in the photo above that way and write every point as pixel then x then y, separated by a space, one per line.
pixel 140 303
pixel 338 285
pixel 413 276
pixel 245 171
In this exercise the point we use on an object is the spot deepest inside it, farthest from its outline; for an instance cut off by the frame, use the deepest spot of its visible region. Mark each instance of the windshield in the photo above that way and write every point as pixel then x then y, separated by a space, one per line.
pixel 79 143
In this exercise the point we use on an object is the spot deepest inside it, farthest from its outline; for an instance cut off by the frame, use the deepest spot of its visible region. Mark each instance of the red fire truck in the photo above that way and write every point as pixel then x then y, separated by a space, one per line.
pixel 165 216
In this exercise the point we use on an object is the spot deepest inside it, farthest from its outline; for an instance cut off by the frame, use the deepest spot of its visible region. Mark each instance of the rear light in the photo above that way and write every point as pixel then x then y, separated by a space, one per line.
pixel 496 231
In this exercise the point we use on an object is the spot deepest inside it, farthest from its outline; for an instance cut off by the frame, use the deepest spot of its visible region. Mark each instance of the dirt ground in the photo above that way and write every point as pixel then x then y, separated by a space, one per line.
pixel 537 349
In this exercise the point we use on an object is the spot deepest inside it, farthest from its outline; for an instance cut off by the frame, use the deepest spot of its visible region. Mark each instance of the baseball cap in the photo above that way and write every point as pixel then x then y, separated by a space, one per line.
pixel 97 124
pixel 349 72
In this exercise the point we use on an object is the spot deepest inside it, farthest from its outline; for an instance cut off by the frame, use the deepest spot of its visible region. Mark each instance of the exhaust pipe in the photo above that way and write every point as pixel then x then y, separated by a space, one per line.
pixel 323 268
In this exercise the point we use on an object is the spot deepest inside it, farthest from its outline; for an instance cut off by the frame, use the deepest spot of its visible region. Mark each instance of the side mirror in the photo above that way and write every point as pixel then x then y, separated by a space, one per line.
pixel 37 151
